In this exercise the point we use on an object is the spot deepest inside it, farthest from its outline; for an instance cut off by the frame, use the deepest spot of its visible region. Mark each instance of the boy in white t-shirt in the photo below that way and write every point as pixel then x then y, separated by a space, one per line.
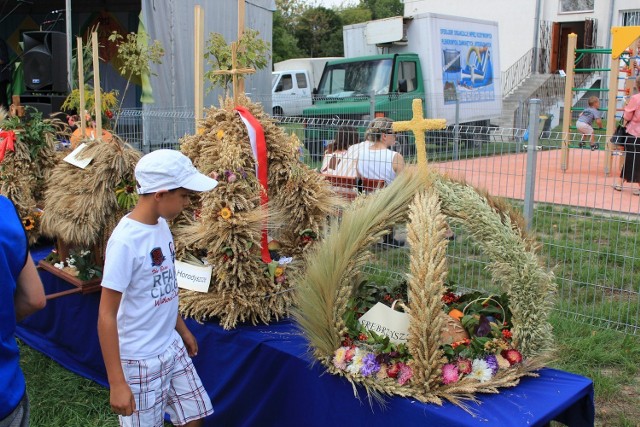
pixel 145 343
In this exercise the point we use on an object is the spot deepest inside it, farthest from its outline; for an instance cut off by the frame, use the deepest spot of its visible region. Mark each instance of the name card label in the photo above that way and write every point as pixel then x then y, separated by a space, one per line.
pixel 383 320
pixel 193 277
pixel 72 157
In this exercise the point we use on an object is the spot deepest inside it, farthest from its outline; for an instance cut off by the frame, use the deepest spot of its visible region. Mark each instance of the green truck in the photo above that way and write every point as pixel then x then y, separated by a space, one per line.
pixel 447 62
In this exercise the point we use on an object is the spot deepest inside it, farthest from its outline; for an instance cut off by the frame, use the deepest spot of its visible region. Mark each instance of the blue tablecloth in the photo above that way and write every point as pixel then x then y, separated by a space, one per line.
pixel 262 376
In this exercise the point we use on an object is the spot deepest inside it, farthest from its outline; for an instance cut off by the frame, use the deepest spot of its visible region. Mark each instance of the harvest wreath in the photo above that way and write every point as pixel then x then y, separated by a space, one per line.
pixel 227 228
pixel 433 364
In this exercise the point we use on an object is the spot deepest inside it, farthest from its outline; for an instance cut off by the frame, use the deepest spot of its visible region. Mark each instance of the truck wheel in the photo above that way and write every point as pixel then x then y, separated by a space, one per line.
pixel 277 111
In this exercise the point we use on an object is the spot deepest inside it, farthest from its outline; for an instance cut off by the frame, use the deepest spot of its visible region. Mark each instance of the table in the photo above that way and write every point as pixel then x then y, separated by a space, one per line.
pixel 262 376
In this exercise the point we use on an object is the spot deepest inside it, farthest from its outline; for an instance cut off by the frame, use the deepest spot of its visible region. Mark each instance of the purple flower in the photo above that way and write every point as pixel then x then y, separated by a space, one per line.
pixel 492 362
pixel 369 365
pixel 484 327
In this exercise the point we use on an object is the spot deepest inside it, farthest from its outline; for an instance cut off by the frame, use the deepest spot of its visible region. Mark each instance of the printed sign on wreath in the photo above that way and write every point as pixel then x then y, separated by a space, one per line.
pixel 383 320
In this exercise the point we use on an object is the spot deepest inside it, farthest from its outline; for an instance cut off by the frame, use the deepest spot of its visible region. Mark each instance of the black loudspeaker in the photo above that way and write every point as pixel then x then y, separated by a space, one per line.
pixel 46 104
pixel 44 61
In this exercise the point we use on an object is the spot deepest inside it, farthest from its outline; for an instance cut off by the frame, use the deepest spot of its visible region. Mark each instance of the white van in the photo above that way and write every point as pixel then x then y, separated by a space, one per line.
pixel 291 92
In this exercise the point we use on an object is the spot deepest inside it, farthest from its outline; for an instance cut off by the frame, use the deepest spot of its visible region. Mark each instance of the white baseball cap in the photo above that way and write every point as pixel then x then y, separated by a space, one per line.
pixel 168 170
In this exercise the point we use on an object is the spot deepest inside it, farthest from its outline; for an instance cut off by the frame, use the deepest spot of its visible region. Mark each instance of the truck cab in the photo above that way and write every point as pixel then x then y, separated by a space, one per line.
pixel 361 89
pixel 291 92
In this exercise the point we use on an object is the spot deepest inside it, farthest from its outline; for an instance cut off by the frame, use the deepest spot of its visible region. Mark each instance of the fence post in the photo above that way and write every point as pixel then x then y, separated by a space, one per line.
pixel 456 129
pixel 372 105
pixel 532 146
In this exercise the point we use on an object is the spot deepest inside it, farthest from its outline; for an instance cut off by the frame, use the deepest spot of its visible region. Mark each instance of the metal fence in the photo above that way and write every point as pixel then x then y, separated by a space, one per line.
pixel 588 230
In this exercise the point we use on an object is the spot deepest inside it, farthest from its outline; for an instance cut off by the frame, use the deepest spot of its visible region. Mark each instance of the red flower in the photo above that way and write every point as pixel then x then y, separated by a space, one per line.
pixel 392 371
pixel 362 337
pixel 347 342
pixel 512 355
pixel 349 354
pixel 506 334
pixel 109 114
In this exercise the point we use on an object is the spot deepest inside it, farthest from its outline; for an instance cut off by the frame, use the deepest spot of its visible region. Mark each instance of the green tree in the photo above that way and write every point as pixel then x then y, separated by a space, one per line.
pixel 383 8
pixel 285 43
pixel 319 32
pixel 253 52
pixel 354 15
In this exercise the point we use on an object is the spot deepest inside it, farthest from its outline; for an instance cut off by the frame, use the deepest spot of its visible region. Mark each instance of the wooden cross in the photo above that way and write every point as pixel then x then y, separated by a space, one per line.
pixel 419 125
pixel 235 72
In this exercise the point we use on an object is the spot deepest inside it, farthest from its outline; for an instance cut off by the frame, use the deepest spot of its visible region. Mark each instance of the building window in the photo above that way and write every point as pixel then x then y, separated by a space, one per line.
pixel 573 6
pixel 631 18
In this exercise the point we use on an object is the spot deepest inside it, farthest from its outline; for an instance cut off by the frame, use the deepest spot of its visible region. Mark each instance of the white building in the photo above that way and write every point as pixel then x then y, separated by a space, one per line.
pixel 525 23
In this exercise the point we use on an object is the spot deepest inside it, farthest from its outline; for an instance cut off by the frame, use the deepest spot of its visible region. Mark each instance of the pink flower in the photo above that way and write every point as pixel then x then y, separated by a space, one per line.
pixel 464 365
pixel 339 358
pixel 405 373
pixel 232 177
pixel 450 373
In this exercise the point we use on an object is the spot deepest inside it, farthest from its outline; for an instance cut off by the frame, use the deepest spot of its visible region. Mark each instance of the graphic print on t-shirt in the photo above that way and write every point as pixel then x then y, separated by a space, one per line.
pixel 157 257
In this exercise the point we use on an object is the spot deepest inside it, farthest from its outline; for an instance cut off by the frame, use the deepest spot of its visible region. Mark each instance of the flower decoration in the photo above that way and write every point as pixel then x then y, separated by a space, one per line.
pixel 225 213
pixel 307 236
pixel 126 195
pixel 488 348
pixel 220 134
pixel 79 264
pixel 28 223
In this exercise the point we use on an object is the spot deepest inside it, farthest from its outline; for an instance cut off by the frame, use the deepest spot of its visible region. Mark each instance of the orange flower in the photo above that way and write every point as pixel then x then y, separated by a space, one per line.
pixel 220 134
pixel 28 223
pixel 225 213
pixel 279 271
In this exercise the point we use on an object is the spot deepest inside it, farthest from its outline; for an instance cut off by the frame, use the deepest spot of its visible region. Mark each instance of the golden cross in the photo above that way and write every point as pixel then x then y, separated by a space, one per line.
pixel 419 125
pixel 235 72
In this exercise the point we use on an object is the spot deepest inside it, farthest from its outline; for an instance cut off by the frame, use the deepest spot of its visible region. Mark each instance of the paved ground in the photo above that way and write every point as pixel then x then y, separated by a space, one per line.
pixel 584 184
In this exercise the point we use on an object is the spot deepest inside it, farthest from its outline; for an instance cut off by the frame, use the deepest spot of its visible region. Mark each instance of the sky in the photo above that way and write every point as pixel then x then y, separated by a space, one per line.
pixel 330 3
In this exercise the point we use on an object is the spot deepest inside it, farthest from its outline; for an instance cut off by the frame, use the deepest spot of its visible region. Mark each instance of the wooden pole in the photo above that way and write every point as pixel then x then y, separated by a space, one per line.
pixel 83 119
pixel 241 7
pixel 198 56
pixel 96 84
pixel 611 112
pixel 568 99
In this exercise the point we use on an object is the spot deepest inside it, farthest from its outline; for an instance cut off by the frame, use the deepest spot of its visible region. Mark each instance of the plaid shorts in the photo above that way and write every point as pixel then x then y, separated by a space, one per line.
pixel 168 382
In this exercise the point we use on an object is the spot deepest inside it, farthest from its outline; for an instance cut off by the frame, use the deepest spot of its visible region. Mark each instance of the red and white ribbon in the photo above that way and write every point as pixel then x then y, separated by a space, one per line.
pixel 259 150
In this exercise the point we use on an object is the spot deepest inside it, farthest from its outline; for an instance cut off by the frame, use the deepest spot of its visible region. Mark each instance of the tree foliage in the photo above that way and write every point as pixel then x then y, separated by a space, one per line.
pixel 253 52
pixel 303 29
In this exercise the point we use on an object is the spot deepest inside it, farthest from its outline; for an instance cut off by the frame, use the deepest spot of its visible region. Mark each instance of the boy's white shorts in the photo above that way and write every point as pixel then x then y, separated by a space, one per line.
pixel 168 382
pixel 584 128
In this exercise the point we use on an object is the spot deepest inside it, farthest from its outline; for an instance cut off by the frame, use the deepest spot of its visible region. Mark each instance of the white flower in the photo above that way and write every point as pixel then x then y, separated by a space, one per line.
pixel 84 253
pixel 59 265
pixel 71 261
pixel 285 260
pixel 356 362
pixel 480 370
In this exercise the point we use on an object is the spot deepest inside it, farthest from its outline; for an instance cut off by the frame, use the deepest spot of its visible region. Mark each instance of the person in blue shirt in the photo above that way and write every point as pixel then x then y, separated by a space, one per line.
pixel 586 119
pixel 22 294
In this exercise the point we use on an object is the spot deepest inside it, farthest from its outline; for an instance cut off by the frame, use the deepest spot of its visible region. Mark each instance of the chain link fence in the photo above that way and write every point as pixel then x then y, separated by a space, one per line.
pixel 588 230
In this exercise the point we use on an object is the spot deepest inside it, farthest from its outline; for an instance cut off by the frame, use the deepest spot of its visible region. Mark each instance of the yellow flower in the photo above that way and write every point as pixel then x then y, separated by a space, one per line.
pixel 279 271
pixel 220 134
pixel 28 223
pixel 225 213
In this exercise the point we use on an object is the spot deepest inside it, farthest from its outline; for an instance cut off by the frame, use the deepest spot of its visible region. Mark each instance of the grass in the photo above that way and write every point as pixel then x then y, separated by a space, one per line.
pixel 594 258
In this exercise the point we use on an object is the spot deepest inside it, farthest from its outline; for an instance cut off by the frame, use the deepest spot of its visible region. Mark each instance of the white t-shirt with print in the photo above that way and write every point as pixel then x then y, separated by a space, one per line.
pixel 139 262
